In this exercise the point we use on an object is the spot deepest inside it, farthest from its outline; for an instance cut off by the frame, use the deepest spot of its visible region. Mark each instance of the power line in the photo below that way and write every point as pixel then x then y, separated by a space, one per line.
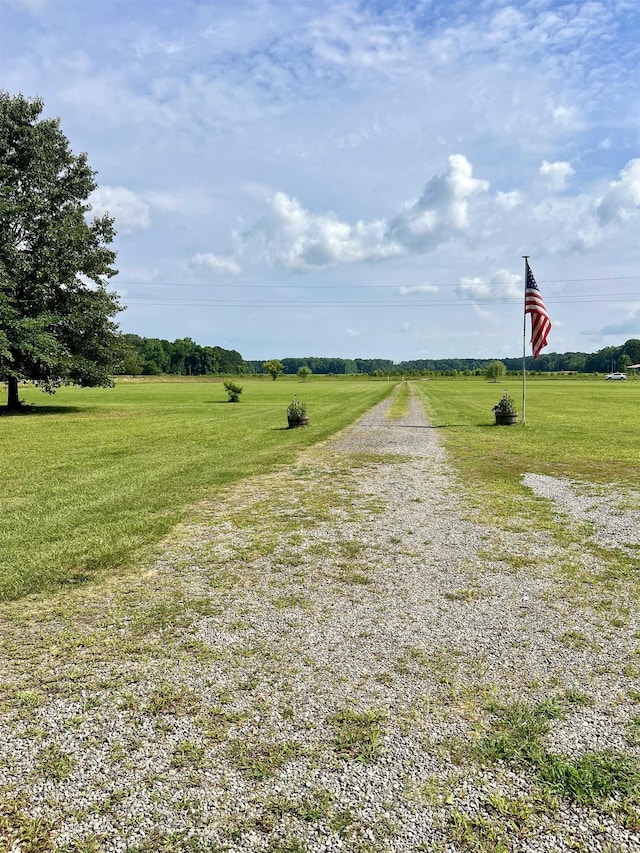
pixel 238 285
pixel 437 303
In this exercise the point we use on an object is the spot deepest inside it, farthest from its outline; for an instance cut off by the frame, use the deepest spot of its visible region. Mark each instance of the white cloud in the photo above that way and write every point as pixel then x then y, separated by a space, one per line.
pixel 348 38
pixel 442 209
pixel 216 263
pixel 418 288
pixel 566 117
pixel 300 240
pixel 503 285
pixel 506 24
pixel 130 210
pixel 555 174
pixel 592 219
pixel 509 200
pixel 623 197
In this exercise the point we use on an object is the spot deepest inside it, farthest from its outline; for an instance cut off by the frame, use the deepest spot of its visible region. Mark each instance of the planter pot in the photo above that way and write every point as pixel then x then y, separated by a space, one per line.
pixel 296 422
pixel 506 418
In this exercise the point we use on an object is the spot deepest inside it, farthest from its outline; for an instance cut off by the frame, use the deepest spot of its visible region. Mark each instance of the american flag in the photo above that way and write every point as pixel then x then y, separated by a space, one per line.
pixel 540 322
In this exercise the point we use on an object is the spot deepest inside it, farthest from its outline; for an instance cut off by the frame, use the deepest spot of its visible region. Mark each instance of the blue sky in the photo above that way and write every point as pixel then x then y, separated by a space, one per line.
pixel 352 179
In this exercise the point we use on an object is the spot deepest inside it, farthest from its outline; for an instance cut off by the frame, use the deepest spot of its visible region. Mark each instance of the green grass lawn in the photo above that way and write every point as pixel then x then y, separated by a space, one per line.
pixel 587 430
pixel 91 477
pixel 584 430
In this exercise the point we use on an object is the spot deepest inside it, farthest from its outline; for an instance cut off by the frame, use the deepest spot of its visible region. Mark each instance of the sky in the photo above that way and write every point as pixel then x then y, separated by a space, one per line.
pixel 297 178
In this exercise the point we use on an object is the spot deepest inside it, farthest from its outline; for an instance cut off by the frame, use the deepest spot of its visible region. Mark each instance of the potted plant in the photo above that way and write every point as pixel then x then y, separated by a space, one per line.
pixel 297 413
pixel 505 411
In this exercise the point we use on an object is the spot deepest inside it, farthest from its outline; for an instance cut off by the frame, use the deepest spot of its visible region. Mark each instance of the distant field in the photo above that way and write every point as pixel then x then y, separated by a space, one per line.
pixel 585 430
pixel 94 475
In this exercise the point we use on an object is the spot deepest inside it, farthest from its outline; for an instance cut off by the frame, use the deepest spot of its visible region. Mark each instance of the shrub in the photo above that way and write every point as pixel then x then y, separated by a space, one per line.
pixel 233 390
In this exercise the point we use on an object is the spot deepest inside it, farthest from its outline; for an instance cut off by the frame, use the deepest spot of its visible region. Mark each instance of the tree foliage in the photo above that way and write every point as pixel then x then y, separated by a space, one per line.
pixel 273 367
pixel 233 390
pixel 182 357
pixel 55 311
pixel 495 370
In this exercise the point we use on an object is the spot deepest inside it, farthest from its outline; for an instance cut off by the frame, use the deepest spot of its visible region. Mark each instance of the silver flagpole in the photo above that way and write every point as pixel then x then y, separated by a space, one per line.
pixel 524 345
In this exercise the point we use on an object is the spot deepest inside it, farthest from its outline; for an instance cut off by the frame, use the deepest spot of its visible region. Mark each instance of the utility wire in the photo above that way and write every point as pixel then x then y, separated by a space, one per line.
pixel 128 283
pixel 442 303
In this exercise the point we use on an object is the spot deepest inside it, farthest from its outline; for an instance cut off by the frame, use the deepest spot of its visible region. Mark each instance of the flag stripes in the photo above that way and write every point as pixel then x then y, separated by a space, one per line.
pixel 533 304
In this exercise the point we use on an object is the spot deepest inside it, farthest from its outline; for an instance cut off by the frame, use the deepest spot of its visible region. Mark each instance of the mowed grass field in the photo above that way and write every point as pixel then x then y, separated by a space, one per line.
pixel 92 478
pixel 586 430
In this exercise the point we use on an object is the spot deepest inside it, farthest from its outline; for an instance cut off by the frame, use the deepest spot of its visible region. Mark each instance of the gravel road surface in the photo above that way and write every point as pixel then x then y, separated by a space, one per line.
pixel 324 660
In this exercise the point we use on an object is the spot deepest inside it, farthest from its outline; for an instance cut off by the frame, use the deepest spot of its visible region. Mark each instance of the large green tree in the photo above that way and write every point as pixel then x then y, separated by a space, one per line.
pixel 273 367
pixel 56 323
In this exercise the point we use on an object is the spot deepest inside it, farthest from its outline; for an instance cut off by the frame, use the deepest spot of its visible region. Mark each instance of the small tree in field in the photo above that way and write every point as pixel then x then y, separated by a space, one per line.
pixel 273 367
pixel 55 311
pixel 233 390
pixel 304 372
pixel 495 370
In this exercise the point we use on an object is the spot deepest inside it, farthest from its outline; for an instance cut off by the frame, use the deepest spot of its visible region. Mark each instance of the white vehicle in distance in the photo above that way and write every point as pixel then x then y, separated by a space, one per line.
pixel 616 376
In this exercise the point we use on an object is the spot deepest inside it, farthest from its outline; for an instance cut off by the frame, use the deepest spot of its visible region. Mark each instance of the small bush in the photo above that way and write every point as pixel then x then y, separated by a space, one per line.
pixel 233 390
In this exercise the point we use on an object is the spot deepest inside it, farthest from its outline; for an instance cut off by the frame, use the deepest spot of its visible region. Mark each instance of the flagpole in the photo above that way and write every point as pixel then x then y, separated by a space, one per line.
pixel 524 345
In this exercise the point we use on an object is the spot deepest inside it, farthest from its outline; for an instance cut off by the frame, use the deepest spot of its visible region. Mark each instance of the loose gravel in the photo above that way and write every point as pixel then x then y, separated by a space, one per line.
pixel 310 663
pixel 612 512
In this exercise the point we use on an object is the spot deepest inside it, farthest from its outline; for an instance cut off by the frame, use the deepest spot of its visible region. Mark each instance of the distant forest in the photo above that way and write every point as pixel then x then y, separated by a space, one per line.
pixel 184 357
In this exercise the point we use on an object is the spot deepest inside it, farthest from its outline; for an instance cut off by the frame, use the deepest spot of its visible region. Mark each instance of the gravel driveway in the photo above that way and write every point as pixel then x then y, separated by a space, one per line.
pixel 329 658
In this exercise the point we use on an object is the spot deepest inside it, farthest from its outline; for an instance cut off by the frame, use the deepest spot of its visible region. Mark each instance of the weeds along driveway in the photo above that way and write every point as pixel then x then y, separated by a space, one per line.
pixel 339 656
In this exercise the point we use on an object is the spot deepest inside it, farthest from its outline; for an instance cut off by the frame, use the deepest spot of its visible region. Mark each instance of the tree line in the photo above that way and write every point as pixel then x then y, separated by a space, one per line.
pixel 603 361
pixel 184 357
pixel 329 365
